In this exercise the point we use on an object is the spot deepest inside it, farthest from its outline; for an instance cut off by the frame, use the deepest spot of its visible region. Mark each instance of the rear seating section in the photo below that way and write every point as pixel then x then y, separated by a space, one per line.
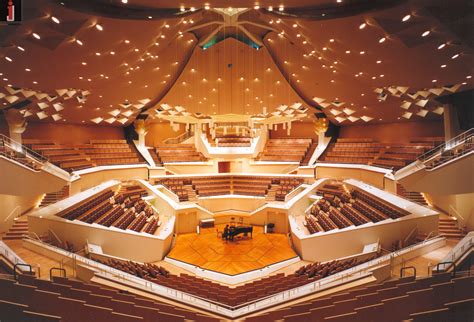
pixel 368 151
pixel 287 150
pixel 233 141
pixel 31 299
pixel 237 295
pixel 439 298
pixel 338 208
pixel 178 153
pixel 124 210
pixel 224 185
pixel 73 157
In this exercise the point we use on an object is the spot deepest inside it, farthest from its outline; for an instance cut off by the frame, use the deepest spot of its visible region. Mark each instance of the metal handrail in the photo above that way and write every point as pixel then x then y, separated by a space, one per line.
pixel 447 145
pixel 180 138
pixel 12 212
pixel 407 267
pixel 21 264
pixel 56 269
pixel 18 147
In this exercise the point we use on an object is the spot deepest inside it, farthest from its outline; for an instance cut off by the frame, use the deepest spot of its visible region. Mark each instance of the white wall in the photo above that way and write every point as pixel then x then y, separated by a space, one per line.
pixel 10 206
pixel 460 206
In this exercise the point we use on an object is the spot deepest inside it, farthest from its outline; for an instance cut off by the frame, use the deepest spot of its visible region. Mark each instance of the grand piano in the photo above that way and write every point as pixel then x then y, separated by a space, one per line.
pixel 236 230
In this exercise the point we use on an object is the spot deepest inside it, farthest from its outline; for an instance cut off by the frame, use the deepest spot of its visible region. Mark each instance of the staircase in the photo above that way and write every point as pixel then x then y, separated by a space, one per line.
pixel 309 153
pixel 192 197
pixel 17 230
pixel 53 197
pixel 448 227
pixel 414 196
pixel 271 193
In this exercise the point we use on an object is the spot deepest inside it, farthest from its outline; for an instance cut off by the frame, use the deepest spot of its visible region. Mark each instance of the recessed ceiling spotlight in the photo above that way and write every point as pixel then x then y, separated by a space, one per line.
pixel 379 62
pixel 442 46
pixel 270 8
pixel 99 27
pixel 381 40
pixel 182 9
pixel 331 40
pixel 35 82
pixel 207 6
pixel 167 26
pixel 426 33
pixel 20 48
pixel 79 42
pixel 348 51
pixel 362 52
pixel 295 25
pixel 192 9
pixel 8 58
pixel 56 20
pixel 84 63
pixel 455 56
pixel 36 35
pixel 281 8
pixel 125 1
pixel 363 25
pixel 434 81
pixel 256 7
pixel 339 1
pixel 406 18
pixel 27 69
pixel 443 66
pixel 127 41
pixel 469 77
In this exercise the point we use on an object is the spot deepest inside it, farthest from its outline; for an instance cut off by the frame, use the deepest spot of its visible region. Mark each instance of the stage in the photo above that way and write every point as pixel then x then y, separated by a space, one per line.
pixel 244 254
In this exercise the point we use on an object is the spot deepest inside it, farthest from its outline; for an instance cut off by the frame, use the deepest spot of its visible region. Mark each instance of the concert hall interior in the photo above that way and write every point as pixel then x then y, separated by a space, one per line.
pixel 236 160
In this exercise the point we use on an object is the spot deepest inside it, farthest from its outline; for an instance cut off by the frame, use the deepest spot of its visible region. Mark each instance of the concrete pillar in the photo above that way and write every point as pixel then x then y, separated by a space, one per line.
pixel 141 127
pixel 451 122
pixel 16 124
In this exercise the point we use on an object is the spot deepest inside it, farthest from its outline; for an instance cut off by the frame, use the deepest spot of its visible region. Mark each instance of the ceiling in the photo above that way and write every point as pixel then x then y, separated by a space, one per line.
pixel 105 62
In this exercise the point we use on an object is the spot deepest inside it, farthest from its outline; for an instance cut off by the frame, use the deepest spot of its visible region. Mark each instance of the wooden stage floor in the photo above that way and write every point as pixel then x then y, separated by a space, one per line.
pixel 242 255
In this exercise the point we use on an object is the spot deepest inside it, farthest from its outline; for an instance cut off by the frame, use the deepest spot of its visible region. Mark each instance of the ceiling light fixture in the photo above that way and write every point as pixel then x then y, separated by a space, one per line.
pixel 20 48
pixel 8 58
pixel 99 27
pixel 207 6
pixel 441 46
pixel 36 35
pixel 406 18
pixel 256 7
pixel 362 26
pixel 56 20
pixel 270 8
pixel 381 40
pixel 426 33
pixel 125 1
pixel 455 56
pixel 79 42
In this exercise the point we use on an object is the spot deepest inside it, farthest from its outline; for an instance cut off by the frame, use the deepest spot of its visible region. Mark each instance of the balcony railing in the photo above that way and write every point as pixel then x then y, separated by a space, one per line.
pixel 14 150
pixel 180 138
pixel 440 151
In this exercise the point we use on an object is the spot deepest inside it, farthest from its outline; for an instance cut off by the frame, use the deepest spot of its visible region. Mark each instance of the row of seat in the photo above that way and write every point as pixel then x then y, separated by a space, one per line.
pixel 178 153
pixel 233 296
pixel 293 150
pixel 439 298
pixel 62 299
pixel 222 185
pixel 368 151
pixel 124 210
pixel 339 209
pixel 72 157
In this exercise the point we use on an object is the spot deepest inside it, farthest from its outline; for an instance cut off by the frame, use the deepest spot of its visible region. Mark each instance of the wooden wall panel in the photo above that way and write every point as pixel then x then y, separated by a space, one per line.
pixel 393 132
pixel 72 133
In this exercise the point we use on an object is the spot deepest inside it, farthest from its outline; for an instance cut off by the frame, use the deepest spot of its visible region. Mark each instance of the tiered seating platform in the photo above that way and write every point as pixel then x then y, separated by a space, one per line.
pixel 340 208
pixel 124 210
pixel 368 151
pixel 439 298
pixel 32 299
pixel 287 150
pixel 231 184
pixel 73 157
pixel 178 153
